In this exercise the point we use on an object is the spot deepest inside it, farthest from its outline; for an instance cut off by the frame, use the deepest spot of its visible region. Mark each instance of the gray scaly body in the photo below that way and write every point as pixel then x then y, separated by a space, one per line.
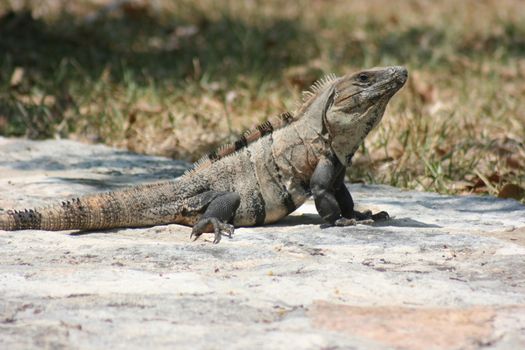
pixel 259 179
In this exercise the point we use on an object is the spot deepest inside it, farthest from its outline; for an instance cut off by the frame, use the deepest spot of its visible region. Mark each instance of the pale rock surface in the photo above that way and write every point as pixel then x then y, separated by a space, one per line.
pixel 446 273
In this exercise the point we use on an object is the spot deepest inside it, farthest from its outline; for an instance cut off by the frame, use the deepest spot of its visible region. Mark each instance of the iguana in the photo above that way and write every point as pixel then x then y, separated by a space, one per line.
pixel 257 180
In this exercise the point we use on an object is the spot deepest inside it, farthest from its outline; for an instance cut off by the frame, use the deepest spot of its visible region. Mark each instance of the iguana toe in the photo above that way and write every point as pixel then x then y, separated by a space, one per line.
pixel 381 216
pixel 367 217
pixel 221 229
pixel 195 235
pixel 212 225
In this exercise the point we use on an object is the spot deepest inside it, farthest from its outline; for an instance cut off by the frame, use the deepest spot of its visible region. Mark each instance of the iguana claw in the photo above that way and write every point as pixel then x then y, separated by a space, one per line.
pixel 219 229
pixel 222 229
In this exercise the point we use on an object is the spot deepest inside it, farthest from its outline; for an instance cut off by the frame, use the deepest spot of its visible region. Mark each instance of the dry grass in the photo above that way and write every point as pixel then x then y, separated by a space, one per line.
pixel 179 78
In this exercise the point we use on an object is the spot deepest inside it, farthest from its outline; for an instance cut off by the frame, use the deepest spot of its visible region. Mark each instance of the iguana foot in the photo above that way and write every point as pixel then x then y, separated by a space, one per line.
pixel 367 215
pixel 219 229
pixel 364 218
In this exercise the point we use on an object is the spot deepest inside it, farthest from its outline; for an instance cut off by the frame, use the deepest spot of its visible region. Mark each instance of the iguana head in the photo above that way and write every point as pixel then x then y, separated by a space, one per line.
pixel 356 106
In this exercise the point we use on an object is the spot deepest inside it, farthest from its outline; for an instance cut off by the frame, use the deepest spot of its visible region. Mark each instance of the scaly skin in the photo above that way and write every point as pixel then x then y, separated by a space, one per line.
pixel 259 179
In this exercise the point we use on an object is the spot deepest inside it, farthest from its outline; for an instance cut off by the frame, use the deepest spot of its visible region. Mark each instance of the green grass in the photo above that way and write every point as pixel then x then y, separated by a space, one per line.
pixel 181 78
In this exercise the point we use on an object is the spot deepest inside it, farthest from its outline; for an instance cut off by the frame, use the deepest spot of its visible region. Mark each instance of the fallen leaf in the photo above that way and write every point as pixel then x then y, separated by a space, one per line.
pixel 512 191
pixel 514 163
pixel 17 76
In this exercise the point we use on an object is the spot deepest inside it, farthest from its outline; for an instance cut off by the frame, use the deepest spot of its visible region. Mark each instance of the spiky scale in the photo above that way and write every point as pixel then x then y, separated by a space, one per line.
pixel 318 86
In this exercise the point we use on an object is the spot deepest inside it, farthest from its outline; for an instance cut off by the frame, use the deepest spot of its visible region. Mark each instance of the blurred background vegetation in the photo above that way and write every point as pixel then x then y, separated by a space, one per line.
pixel 178 78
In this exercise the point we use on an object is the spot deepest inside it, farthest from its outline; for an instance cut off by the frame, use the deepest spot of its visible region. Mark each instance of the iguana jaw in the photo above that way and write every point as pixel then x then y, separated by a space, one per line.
pixel 358 103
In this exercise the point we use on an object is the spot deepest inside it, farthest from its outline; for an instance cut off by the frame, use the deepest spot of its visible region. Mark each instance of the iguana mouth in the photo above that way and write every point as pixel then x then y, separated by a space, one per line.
pixel 403 74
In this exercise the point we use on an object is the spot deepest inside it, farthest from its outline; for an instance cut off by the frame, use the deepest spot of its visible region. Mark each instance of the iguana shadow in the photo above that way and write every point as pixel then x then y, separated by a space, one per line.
pixel 404 222
pixel 296 220
pixel 314 219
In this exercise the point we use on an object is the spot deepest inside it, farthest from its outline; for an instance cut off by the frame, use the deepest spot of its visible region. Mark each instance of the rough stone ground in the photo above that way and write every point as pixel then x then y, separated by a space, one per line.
pixel 445 273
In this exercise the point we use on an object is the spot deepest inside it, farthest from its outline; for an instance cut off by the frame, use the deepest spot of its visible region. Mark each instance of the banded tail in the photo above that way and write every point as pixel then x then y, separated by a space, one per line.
pixel 143 205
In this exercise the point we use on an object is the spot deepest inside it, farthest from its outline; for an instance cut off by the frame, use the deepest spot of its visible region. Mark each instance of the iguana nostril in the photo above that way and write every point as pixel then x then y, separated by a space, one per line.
pixel 401 74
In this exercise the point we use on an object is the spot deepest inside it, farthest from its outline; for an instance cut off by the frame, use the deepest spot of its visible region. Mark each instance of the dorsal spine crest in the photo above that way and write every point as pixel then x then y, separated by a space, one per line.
pixel 246 139
pixel 319 85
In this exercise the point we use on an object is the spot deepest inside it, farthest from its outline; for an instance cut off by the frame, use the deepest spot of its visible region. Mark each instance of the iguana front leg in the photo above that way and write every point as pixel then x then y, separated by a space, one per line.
pixel 217 216
pixel 333 200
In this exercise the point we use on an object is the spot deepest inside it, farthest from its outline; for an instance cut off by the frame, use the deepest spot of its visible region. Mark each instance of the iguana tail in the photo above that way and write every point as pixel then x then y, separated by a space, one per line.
pixel 143 205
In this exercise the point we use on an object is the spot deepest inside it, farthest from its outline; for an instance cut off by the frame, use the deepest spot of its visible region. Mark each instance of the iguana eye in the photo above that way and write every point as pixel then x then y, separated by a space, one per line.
pixel 363 77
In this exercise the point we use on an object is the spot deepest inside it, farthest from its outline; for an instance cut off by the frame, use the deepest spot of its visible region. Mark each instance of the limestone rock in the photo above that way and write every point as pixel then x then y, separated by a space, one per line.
pixel 445 273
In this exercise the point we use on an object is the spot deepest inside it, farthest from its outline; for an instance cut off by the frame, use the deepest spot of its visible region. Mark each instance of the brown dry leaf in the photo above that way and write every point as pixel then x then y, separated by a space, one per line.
pixel 37 99
pixel 512 191
pixel 509 72
pixel 477 183
pixel 17 76
pixel 521 66
pixel 146 107
pixel 462 186
pixel 186 31
pixel 106 74
pixel 3 121
pixel 514 163
pixel 422 88
pixel 135 9
pixel 482 183
pixel 494 178
pixel 441 151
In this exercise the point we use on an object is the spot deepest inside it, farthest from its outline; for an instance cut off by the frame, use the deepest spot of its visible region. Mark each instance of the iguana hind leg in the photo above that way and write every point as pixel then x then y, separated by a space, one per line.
pixel 217 216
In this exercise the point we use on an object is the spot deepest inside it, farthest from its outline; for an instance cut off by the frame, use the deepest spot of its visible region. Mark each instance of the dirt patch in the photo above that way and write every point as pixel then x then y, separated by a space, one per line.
pixel 516 235
pixel 409 328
